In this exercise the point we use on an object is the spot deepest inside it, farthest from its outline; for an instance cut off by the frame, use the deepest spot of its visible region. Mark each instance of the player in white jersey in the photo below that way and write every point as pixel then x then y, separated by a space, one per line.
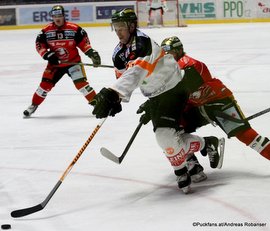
pixel 140 62
pixel 156 9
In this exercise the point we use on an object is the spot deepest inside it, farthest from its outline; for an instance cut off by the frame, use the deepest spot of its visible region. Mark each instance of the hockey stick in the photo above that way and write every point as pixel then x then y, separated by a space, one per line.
pixel 36 208
pixel 228 117
pixel 108 154
pixel 83 64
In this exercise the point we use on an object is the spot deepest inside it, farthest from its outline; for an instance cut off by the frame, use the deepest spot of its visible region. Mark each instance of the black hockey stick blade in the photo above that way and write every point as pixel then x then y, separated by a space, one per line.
pixel 34 209
pixel 30 210
pixel 109 155
pixel 26 211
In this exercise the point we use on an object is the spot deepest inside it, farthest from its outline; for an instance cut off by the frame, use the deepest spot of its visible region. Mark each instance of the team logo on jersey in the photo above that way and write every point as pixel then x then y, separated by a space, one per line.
pixel 62 53
pixel 132 55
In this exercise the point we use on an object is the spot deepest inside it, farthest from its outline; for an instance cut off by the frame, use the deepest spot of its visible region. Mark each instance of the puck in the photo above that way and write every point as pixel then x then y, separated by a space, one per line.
pixel 6 226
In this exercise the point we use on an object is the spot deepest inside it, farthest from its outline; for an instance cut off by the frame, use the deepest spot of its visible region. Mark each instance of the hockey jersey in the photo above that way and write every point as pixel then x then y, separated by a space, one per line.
pixel 155 4
pixel 143 64
pixel 63 41
pixel 209 89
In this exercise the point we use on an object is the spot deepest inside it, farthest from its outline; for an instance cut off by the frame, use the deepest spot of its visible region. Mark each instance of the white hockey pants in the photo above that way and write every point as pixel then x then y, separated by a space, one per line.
pixel 177 145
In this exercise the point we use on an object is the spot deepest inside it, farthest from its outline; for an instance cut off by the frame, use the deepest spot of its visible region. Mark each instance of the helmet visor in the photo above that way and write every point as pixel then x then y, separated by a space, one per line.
pixel 166 48
pixel 57 13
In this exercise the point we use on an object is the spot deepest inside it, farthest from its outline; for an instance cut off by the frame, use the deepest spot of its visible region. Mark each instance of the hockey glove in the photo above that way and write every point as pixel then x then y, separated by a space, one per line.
pixel 145 107
pixel 51 57
pixel 106 103
pixel 93 54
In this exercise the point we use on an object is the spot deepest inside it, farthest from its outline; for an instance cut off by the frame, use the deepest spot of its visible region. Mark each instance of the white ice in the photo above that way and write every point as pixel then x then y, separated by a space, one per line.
pixel 140 194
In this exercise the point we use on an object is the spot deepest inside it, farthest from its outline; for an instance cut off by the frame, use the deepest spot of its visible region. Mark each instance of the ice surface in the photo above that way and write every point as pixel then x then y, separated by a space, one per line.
pixel 141 193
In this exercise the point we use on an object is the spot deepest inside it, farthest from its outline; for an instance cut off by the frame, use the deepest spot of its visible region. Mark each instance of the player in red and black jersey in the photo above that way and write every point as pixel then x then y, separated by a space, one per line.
pixel 210 98
pixel 58 43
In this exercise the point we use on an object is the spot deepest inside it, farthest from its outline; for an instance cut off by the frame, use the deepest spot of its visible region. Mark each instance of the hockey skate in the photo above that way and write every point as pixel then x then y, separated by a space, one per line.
pixel 195 170
pixel 30 110
pixel 183 180
pixel 214 148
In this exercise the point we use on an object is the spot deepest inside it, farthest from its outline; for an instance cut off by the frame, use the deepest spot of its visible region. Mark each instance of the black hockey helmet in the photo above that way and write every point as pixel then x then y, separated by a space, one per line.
pixel 125 15
pixel 57 10
pixel 172 44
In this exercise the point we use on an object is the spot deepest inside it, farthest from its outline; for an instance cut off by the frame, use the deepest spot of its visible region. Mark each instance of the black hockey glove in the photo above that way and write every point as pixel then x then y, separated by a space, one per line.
pixel 51 57
pixel 93 54
pixel 145 107
pixel 106 103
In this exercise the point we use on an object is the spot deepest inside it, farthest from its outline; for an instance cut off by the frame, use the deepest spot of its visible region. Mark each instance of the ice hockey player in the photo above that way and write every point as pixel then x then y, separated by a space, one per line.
pixel 210 99
pixel 57 43
pixel 140 62
pixel 156 9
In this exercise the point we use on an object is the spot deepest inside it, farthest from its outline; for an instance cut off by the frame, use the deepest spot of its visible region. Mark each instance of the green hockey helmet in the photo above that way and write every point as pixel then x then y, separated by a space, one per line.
pixel 57 10
pixel 172 44
pixel 126 15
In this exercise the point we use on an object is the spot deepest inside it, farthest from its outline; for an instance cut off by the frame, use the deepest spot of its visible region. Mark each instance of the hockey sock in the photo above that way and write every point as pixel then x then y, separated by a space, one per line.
pixel 266 151
pixel 41 93
pixel 88 92
pixel 252 139
pixel 247 136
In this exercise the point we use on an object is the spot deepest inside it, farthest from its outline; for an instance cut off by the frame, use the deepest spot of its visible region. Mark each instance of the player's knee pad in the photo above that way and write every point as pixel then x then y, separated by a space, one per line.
pixel 168 138
pixel 77 73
